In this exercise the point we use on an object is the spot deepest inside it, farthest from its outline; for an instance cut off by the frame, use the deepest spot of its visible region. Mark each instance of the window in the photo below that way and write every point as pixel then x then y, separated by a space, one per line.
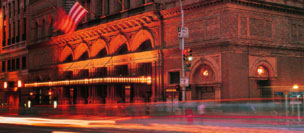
pixel 13 36
pixel 100 4
pixel 18 6
pixel 126 4
pixel 4 12
pixel 106 7
pixel 24 29
pixel 24 3
pixel 9 10
pixel 4 36
pixel 89 9
pixel 23 62
pixel 13 65
pixel 9 35
pixel 8 65
pixel 17 63
pixel 3 66
pixel 18 32
pixel 13 8
pixel 174 77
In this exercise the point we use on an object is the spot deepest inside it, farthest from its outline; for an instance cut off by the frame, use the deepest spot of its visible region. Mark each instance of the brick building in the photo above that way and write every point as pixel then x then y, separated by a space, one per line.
pixel 128 51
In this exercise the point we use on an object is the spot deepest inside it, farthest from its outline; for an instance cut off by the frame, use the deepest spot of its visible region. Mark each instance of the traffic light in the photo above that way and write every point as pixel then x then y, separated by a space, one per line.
pixel 187 55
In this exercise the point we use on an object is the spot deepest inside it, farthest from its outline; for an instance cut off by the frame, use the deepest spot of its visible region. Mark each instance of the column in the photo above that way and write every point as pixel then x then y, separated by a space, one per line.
pixel 154 84
pixel 217 91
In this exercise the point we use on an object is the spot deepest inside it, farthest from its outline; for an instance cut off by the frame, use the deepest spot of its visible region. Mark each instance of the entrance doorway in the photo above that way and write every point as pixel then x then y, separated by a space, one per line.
pixel 205 92
pixel 264 87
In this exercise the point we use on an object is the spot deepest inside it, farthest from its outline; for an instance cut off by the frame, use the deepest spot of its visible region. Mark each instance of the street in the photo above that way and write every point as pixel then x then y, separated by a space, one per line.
pixel 195 116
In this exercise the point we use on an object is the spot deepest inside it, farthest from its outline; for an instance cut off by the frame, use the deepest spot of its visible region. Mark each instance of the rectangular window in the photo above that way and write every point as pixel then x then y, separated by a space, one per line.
pixel 107 7
pixel 100 4
pixel 24 6
pixel 13 36
pixel 4 37
pixel 17 63
pixel 3 66
pixel 23 62
pixel 101 72
pixel 4 12
pixel 18 6
pixel 89 9
pixel 9 10
pixel 13 64
pixel 24 29
pixel 174 77
pixel 18 31
pixel 14 8
pixel 127 4
pixel 8 65
pixel 9 35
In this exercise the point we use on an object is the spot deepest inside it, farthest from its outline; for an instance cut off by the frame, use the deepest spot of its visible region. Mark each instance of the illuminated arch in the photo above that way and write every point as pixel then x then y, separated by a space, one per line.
pixel 140 37
pixel 117 42
pixel 80 50
pixel 203 63
pixel 65 53
pixel 97 46
pixel 265 64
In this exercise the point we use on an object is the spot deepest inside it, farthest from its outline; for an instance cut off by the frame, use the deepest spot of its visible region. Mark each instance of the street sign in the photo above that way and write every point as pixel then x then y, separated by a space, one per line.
pixel 183 32
pixel 184 82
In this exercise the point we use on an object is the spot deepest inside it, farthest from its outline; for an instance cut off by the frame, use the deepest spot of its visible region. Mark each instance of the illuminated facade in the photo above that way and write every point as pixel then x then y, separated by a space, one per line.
pixel 128 51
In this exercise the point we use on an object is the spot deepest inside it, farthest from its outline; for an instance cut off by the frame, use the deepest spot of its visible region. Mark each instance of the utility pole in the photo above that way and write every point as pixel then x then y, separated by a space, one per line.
pixel 183 88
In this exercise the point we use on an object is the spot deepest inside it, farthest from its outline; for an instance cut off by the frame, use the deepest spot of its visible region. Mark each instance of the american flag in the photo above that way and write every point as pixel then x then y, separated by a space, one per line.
pixel 68 23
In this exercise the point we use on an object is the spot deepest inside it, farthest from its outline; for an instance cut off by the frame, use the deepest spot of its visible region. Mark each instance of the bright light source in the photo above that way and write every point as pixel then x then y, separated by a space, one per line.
pixel 55 104
pixel 31 93
pixel 50 93
pixel 19 83
pixel 190 58
pixel 206 73
pixel 260 70
pixel 29 103
pixel 295 86
pixel 5 85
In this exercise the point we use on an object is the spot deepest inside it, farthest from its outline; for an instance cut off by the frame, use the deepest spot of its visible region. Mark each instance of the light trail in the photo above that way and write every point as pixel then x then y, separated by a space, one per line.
pixel 112 124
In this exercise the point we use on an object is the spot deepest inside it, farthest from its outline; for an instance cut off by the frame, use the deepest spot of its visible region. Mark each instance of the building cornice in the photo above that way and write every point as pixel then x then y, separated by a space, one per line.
pixel 106 28
pixel 251 3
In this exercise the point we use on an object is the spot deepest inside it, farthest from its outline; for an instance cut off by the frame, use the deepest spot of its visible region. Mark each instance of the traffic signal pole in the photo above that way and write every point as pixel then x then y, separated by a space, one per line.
pixel 183 88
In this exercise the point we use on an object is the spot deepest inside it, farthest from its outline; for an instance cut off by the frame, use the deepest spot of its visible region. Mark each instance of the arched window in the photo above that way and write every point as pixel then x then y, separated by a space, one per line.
pixel 146 45
pixel 69 58
pixel 102 53
pixel 123 49
pixel 84 56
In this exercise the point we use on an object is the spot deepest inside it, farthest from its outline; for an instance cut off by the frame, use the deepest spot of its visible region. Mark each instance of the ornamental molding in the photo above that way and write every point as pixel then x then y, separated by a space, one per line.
pixel 255 4
pixel 108 28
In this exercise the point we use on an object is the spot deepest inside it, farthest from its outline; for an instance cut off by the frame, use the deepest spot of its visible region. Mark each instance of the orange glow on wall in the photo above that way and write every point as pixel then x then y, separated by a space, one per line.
pixel 140 80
